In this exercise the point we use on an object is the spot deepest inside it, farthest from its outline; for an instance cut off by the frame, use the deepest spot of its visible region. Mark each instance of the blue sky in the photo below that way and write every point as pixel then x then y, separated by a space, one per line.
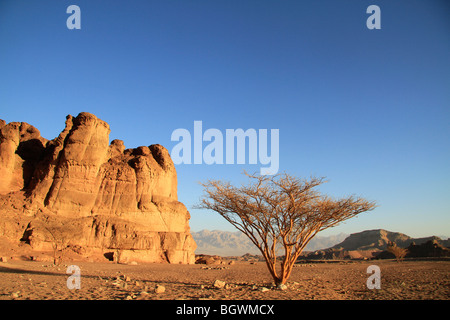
pixel 368 109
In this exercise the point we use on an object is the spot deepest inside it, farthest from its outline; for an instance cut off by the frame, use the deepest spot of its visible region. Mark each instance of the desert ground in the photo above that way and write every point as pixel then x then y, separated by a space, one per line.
pixel 345 280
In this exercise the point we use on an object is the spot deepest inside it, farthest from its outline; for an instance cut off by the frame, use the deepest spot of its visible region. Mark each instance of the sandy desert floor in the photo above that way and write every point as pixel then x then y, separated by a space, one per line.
pixel 31 280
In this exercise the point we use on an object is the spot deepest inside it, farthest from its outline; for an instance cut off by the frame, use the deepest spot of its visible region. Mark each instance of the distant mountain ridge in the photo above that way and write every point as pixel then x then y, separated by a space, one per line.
pixel 227 243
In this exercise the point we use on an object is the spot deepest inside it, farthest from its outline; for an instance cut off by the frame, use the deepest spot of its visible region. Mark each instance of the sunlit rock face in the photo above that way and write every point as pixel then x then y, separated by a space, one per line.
pixel 98 195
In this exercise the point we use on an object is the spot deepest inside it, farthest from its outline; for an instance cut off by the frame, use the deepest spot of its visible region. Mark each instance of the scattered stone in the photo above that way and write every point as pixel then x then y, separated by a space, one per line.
pixel 263 289
pixel 3 259
pixel 281 287
pixel 214 268
pixel 160 289
pixel 219 284
pixel 142 295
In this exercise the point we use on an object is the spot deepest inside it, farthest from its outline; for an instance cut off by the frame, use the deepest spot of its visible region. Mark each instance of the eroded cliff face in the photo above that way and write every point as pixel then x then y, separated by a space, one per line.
pixel 85 192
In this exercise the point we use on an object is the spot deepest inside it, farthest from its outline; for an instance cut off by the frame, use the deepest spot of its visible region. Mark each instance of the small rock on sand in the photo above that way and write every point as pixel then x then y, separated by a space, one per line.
pixel 160 289
pixel 219 284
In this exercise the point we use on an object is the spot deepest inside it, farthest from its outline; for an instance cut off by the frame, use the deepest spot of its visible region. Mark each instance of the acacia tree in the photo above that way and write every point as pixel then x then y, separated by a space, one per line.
pixel 280 211
pixel 398 252
pixel 62 233
pixel 60 239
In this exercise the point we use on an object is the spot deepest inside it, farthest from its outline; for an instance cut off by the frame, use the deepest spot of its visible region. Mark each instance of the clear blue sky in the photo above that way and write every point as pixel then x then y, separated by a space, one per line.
pixel 368 109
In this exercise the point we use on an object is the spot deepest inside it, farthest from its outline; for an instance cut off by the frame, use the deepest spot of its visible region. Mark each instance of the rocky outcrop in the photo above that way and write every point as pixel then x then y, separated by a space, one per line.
pixel 370 244
pixel 433 248
pixel 372 240
pixel 82 190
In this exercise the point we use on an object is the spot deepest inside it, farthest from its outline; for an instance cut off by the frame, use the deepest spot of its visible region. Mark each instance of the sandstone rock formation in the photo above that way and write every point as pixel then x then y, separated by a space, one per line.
pixel 433 248
pixel 79 190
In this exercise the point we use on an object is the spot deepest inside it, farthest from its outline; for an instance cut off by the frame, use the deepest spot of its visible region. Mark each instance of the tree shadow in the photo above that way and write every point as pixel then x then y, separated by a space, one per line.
pixel 63 273
pixel 4 269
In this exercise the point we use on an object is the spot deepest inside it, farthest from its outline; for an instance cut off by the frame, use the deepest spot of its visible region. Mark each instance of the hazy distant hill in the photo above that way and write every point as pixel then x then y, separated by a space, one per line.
pixel 321 242
pixel 222 243
pixel 227 243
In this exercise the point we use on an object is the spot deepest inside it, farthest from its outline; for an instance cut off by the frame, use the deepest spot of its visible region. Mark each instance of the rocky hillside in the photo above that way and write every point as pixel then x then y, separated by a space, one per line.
pixel 378 240
pixel 79 190
pixel 372 243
